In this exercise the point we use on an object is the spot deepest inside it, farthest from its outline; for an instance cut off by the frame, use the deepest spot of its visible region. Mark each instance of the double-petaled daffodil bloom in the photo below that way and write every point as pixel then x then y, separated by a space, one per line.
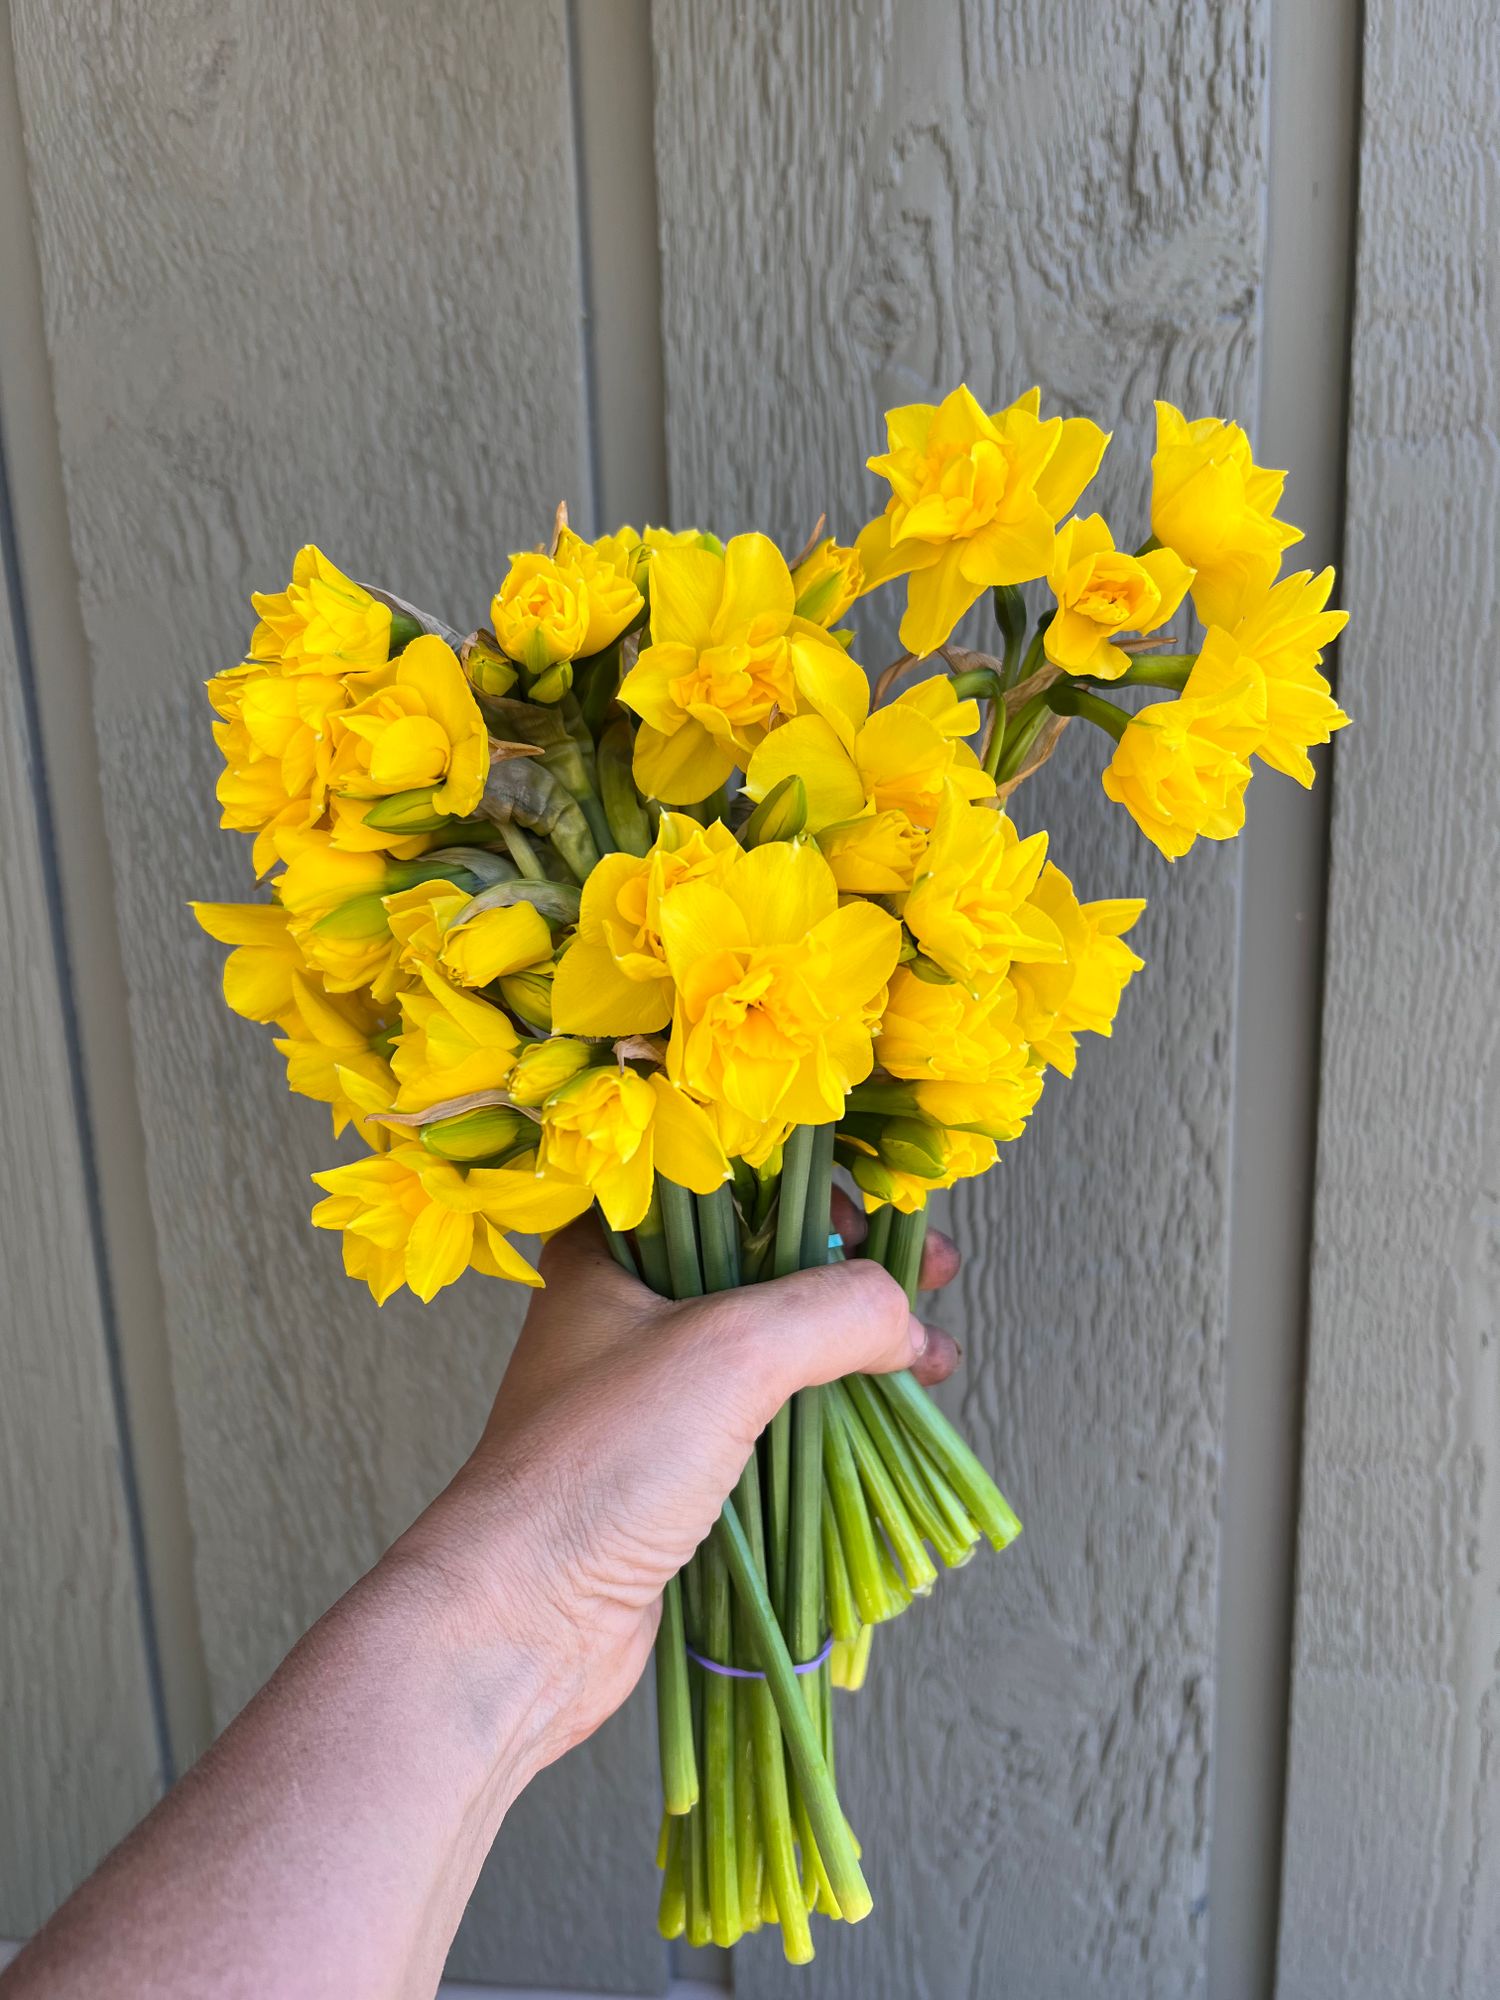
pixel 258 972
pixel 1283 632
pixel 970 908
pixel 336 912
pixel 452 1045
pixel 1181 767
pixel 876 855
pixel 332 1044
pixel 728 658
pixel 421 731
pixel 1057 1003
pixel 1102 593
pixel 438 925
pixel 613 979
pixel 906 758
pixel 275 734
pixel 614 601
pixel 1216 507
pixel 612 1131
pixel 777 986
pixel 827 582
pixel 965 1053
pixel 540 613
pixel 975 500
pixel 323 622
pixel 410 1219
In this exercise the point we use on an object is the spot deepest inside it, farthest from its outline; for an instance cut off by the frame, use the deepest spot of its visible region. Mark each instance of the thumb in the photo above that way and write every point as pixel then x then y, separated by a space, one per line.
pixel 815 1326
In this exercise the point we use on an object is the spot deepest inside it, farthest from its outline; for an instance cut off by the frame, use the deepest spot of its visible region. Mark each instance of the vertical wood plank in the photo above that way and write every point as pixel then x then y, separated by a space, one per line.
pixel 1392 1854
pixel 860 204
pixel 309 274
pixel 79 1755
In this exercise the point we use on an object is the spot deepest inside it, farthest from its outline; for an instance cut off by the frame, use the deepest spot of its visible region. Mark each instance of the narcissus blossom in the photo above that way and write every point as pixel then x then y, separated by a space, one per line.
pixel 1056 1002
pixel 422 730
pixel 1284 632
pixel 1181 767
pixel 975 499
pixel 965 1052
pixel 612 1130
pixel 777 987
pixel 969 909
pixel 1102 593
pixel 1216 507
pixel 729 657
pixel 323 622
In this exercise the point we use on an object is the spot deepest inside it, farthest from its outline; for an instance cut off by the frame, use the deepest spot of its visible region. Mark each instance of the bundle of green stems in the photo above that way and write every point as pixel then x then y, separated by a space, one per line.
pixel 851 1492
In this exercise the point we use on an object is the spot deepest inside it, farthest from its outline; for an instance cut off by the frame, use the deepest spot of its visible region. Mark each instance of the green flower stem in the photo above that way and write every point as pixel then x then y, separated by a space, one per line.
pixel 619 1246
pixel 915 1481
pixel 917 1567
pixel 718 1753
pixel 786 1257
pixel 674 1709
pixel 651 1248
pixel 995 748
pixel 680 1228
pixel 1065 698
pixel 1158 670
pixel 829 1826
pixel 924 1421
pixel 816 1218
pixel 879 1231
pixel 749 1858
pixel 522 852
pixel 843 1616
pixel 719 1239
pixel 903 1257
pixel 856 1531
pixel 699 1927
pixel 796 1169
pixel 671 1909
pixel 744 1549
pixel 1021 732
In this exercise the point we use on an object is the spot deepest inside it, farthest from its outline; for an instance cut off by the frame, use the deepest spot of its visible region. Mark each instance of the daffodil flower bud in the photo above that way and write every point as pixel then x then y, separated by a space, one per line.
pixel 528 995
pixel 407 812
pixel 486 1134
pixel 781 814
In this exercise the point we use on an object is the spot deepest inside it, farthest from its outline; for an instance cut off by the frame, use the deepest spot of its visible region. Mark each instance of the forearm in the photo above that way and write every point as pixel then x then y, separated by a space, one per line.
pixel 329 1841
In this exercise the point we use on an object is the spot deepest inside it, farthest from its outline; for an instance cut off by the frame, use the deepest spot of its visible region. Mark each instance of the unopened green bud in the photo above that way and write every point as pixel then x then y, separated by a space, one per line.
pixel 914 1146
pixel 403 630
pixel 544 1067
pixel 478 1135
pixel 407 812
pixel 360 917
pixel 528 995
pixel 1010 616
pixel 870 1177
pixel 781 814
pixel 552 684
pixel 930 970
pixel 489 671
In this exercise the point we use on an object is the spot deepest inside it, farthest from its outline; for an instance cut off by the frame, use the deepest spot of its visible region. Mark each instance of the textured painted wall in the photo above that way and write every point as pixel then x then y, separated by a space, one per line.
pixel 1393 1831
pixel 860 203
pixel 308 271
pixel 78 1752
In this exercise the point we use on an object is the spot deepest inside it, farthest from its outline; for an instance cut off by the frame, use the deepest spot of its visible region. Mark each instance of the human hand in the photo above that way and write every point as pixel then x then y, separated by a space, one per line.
pixel 622 1423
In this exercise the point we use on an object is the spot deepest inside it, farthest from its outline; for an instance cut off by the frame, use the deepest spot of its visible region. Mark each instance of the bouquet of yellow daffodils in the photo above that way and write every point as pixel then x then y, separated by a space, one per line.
pixel 638 899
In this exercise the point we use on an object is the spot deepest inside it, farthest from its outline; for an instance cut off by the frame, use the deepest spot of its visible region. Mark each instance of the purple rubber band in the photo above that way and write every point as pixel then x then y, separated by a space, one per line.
pixel 754 1673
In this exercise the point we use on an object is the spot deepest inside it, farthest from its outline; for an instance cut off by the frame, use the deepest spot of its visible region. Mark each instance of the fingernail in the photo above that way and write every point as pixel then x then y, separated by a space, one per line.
pixel 917 1333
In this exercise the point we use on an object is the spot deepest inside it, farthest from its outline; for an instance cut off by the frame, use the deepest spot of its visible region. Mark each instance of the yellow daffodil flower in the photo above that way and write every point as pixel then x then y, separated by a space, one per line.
pixel 258 972
pixel 614 602
pixel 612 1131
pixel 1181 767
pixel 410 1219
pixel 336 912
pixel 777 986
pixel 328 1040
pixel 905 759
pixel 728 657
pixel 827 582
pixel 1103 593
pixel 540 612
pixel 974 502
pixel 430 924
pixel 422 729
pixel 969 908
pixel 323 622
pixel 1057 1003
pixel 613 979
pixel 877 855
pixel 1284 632
pixel 1216 507
pixel 452 1044
pixel 966 1054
